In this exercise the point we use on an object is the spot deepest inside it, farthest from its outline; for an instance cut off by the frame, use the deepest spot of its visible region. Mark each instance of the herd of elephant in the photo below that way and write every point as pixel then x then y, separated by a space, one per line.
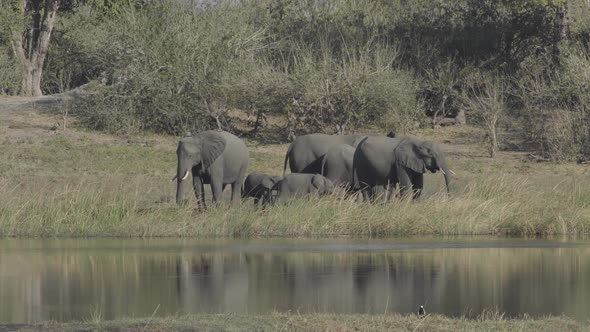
pixel 318 162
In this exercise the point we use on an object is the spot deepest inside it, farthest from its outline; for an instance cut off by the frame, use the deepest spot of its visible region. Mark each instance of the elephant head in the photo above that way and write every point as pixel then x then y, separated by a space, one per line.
pixel 420 156
pixel 268 183
pixel 196 151
pixel 322 184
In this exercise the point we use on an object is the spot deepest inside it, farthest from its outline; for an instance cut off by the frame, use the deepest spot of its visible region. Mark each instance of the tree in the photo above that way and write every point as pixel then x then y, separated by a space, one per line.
pixel 30 26
pixel 485 97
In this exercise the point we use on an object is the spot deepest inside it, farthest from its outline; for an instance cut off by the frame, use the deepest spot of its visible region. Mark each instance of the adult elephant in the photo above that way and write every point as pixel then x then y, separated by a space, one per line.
pixel 385 161
pixel 305 152
pixel 213 157
pixel 337 166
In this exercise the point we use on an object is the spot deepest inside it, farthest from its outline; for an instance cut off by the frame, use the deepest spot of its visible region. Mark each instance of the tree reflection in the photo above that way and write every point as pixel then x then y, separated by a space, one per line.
pixel 70 283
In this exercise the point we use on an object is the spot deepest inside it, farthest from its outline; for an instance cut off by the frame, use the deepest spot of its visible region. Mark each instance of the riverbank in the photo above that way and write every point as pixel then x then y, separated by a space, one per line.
pixel 311 322
pixel 72 182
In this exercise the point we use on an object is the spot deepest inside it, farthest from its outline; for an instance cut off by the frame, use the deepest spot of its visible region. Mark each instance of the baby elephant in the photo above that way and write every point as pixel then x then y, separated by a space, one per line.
pixel 258 186
pixel 299 184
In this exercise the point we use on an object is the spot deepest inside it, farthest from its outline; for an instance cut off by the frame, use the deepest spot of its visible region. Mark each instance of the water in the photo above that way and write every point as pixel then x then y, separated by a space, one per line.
pixel 77 279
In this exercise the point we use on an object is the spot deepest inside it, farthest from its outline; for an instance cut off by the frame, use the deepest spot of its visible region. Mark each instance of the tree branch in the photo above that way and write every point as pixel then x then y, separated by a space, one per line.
pixel 17 46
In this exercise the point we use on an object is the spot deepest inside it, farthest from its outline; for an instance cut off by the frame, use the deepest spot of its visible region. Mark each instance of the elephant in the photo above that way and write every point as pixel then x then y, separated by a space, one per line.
pixel 213 157
pixel 258 185
pixel 385 161
pixel 337 166
pixel 299 184
pixel 305 152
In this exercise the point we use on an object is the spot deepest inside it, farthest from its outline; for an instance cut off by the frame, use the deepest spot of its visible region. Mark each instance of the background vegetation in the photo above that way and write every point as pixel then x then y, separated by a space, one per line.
pixel 169 66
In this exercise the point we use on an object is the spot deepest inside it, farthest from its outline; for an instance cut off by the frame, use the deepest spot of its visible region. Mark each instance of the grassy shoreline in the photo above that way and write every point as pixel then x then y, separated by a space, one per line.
pixel 76 184
pixel 491 321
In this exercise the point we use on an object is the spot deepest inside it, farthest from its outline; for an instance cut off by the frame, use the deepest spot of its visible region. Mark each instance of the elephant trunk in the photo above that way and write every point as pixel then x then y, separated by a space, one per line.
pixel 444 167
pixel 182 173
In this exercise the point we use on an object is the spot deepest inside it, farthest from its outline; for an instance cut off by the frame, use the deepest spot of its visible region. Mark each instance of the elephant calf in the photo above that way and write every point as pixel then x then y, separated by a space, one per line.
pixel 258 186
pixel 299 184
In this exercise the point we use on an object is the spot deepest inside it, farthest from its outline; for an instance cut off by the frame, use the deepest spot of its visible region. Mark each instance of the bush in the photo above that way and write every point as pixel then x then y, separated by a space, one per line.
pixel 169 69
pixel 556 106
pixel 166 68
pixel 344 93
pixel 10 75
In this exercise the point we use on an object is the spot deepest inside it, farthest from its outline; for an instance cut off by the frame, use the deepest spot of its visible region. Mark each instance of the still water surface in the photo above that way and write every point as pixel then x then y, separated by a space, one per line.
pixel 74 279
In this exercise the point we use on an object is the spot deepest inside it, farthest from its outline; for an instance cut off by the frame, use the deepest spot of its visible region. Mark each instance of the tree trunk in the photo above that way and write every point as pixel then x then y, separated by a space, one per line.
pixel 32 49
pixel 560 32
pixel 493 141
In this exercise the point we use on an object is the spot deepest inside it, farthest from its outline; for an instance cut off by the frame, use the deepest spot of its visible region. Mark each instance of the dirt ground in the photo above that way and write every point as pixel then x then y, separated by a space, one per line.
pixel 36 119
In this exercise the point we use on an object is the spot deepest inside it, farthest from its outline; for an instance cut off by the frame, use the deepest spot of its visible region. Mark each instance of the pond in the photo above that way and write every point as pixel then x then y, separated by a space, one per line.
pixel 78 279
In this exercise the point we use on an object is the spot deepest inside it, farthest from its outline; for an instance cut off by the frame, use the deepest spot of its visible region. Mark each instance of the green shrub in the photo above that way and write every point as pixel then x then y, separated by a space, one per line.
pixel 10 76
pixel 556 106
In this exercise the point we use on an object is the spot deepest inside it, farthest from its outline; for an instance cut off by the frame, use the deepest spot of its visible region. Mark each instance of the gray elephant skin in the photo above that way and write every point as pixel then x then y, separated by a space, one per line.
pixel 299 184
pixel 385 161
pixel 305 153
pixel 337 166
pixel 258 186
pixel 213 157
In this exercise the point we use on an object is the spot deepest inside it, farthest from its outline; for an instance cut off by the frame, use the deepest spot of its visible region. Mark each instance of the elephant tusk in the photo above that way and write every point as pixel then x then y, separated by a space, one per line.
pixel 443 171
pixel 455 174
pixel 174 178
pixel 185 176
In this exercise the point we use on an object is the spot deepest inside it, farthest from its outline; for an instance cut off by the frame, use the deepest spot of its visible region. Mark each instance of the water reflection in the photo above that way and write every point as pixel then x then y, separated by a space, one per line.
pixel 73 279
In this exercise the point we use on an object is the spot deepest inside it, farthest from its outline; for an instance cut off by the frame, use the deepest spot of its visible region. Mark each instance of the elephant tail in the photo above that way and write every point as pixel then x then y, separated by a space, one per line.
pixel 287 157
pixel 323 165
pixel 354 181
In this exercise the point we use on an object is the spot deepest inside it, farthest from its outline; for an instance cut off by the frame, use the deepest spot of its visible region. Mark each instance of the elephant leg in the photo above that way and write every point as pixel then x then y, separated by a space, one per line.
pixel 283 196
pixel 199 189
pixel 217 190
pixel 236 192
pixel 418 183
pixel 405 182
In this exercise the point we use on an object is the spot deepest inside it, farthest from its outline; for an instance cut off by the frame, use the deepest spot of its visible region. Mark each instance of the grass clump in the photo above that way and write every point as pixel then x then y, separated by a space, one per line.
pixel 110 208
pixel 488 321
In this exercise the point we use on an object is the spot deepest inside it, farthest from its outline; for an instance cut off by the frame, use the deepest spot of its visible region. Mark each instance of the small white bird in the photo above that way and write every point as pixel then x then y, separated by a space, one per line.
pixel 421 311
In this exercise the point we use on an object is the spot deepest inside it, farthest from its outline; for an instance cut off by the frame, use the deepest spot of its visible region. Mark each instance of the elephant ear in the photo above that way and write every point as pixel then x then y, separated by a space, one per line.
pixel 213 146
pixel 408 155
pixel 267 182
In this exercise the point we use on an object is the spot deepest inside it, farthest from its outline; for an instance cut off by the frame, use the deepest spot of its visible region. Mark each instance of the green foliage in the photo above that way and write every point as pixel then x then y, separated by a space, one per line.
pixel 167 68
pixel 556 106
pixel 346 92
pixel 331 66
pixel 10 74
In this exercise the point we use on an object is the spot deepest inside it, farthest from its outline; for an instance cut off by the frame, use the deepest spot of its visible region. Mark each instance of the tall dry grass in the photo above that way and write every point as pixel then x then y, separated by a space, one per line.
pixel 504 204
